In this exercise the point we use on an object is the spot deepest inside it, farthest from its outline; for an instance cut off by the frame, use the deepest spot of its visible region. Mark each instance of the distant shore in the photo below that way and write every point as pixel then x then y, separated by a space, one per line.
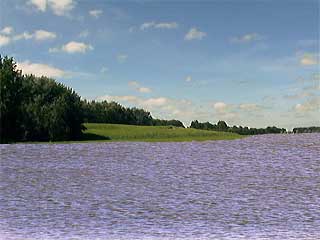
pixel 120 132
pixel 102 132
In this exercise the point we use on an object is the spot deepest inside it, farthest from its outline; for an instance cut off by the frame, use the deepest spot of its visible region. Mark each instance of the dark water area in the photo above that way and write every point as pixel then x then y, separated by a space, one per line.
pixel 260 187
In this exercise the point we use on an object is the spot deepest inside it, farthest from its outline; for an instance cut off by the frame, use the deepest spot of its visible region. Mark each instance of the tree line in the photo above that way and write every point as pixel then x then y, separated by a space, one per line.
pixel 41 109
pixel 112 112
pixel 306 130
pixel 222 126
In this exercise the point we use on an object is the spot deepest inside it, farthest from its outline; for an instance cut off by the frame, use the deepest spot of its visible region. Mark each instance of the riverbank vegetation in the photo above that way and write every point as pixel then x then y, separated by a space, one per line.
pixel 306 130
pixel 222 126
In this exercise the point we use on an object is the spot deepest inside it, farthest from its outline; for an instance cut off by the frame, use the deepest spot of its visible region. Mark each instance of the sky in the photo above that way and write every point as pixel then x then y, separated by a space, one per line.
pixel 252 63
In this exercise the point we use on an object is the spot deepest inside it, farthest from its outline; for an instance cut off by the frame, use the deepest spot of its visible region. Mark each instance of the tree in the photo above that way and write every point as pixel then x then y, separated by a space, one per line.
pixel 11 96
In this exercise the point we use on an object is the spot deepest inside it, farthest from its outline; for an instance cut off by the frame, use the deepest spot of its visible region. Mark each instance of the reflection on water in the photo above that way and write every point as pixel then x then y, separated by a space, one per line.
pixel 261 187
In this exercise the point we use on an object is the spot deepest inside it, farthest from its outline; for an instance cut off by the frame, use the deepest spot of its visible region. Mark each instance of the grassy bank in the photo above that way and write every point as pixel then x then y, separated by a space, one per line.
pixel 117 132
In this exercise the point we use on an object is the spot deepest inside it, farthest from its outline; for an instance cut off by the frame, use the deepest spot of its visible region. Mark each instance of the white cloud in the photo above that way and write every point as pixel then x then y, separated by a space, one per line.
pixel 312 104
pixel 194 33
pixel 95 13
pixel 130 99
pixel 73 47
pixel 148 103
pixel 220 106
pixel 41 5
pixel 7 30
pixel 39 69
pixel 249 107
pixel 38 35
pixel 144 89
pixel 155 102
pixel 138 87
pixel 24 35
pixel 4 40
pixel 147 25
pixel 133 84
pixel 188 79
pixel 160 25
pixel 250 37
pixel 59 7
pixel 167 25
pixel 309 59
pixel 122 58
pixel 41 35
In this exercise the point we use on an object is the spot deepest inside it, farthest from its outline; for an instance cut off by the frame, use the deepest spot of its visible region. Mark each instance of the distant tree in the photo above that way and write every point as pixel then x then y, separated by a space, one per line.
pixel 222 126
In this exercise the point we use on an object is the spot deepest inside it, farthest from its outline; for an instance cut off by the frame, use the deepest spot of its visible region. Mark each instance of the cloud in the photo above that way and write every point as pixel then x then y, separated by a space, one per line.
pixel 249 107
pixel 309 59
pixel 58 7
pixel 220 106
pixel 155 102
pixel 73 47
pixel 138 87
pixel 133 84
pixel 312 104
pixel 250 37
pixel 144 90
pixel 38 35
pixel 61 7
pixel 41 35
pixel 161 25
pixel 122 58
pixel 7 30
pixel 302 94
pixel 194 33
pixel 147 25
pixel 4 40
pixel 188 79
pixel 147 103
pixel 24 35
pixel 95 13
pixel 39 69
pixel 40 5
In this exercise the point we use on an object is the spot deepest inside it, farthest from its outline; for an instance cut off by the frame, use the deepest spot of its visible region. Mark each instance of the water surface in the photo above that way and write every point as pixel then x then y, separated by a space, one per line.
pixel 261 187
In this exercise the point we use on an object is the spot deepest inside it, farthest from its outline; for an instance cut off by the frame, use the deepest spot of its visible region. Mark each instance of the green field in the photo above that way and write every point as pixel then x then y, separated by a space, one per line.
pixel 119 132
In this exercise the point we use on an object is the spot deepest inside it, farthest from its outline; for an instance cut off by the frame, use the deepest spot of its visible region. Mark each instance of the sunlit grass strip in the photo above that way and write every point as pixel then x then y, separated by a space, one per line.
pixel 119 132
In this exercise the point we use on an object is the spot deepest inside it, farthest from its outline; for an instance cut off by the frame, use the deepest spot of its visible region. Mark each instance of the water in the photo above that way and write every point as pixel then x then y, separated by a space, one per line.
pixel 261 187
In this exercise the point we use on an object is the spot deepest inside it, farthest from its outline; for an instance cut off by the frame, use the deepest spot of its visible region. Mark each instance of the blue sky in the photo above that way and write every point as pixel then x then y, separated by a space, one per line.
pixel 253 63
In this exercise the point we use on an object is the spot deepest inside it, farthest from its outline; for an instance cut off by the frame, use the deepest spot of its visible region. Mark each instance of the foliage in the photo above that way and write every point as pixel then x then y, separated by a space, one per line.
pixel 34 108
pixel 112 112
pixel 222 126
pixel 11 98
pixel 306 130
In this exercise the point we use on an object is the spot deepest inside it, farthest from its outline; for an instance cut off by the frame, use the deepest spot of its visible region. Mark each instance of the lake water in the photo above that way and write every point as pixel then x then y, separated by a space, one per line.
pixel 260 187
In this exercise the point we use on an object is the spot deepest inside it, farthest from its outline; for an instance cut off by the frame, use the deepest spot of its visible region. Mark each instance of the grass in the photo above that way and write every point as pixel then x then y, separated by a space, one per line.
pixel 120 132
